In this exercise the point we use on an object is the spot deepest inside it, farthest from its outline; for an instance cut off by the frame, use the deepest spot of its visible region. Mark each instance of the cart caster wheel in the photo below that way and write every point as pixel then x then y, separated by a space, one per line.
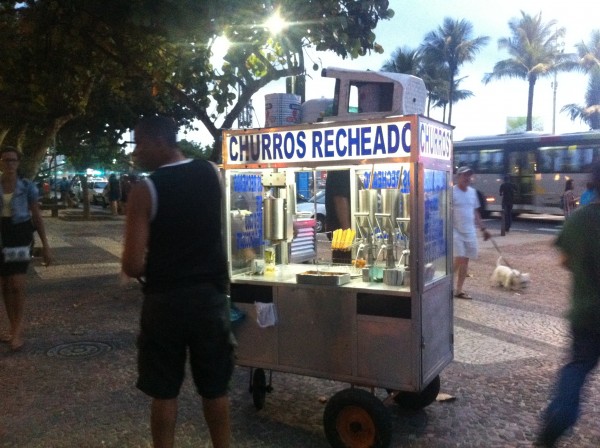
pixel 419 400
pixel 355 418
pixel 259 388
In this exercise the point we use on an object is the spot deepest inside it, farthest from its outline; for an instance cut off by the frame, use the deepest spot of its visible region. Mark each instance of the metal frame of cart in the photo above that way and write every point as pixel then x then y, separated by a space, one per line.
pixel 368 334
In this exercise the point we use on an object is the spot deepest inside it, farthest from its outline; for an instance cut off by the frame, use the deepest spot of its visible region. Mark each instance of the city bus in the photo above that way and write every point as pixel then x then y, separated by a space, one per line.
pixel 538 164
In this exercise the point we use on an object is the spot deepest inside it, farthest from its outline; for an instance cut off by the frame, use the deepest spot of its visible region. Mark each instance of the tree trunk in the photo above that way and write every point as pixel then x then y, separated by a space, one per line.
pixel 529 125
pixel 450 96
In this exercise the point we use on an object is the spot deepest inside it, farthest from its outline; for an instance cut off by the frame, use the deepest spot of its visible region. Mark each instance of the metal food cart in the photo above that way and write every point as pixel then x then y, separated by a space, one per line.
pixel 381 318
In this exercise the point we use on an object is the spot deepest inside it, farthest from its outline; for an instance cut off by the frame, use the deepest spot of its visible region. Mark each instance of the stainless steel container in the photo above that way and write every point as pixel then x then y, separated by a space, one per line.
pixel 403 218
pixel 367 206
pixel 389 209
pixel 274 220
pixel 389 203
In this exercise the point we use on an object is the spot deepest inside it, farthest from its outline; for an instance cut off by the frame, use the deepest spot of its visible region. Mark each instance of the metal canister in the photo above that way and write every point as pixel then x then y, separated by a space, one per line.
pixel 274 219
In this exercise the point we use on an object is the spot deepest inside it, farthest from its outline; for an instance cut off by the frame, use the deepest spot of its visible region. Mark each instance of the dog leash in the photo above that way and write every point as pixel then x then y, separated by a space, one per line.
pixel 500 252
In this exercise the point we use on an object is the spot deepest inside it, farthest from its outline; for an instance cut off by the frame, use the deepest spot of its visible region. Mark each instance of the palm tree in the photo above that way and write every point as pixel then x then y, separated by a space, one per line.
pixel 410 61
pixel 452 45
pixel 590 62
pixel 534 53
pixel 441 98
pixel 404 60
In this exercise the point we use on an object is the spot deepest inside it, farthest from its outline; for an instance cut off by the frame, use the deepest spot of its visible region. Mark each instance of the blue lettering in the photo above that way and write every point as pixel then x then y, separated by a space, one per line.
pixel 379 145
pixel 365 138
pixel 406 137
pixel 341 149
pixel 317 151
pixel 266 147
pixel 393 142
pixel 233 154
pixel 277 154
pixel 301 153
pixel 353 142
pixel 329 149
pixel 289 145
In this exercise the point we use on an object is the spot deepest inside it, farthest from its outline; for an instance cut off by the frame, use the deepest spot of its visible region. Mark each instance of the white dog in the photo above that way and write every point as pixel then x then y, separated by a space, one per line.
pixel 509 278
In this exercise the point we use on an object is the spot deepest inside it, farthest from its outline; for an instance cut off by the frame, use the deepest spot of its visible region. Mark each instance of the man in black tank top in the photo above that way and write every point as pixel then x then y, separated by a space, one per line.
pixel 173 237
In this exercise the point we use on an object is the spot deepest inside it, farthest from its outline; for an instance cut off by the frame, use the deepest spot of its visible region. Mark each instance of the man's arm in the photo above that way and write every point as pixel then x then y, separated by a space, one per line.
pixel 342 208
pixel 479 224
pixel 137 230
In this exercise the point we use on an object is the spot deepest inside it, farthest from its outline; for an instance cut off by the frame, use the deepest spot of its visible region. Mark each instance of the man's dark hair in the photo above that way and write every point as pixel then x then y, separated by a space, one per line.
pixel 157 126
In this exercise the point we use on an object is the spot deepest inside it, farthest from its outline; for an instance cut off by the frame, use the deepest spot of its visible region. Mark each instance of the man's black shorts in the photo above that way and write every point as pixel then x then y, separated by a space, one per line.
pixel 194 318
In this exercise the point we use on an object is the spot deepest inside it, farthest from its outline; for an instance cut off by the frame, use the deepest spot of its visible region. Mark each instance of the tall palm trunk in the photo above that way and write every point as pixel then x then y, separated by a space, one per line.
pixel 529 125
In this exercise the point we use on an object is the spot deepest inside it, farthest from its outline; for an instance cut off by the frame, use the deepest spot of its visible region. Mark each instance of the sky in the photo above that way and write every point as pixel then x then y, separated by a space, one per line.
pixel 487 111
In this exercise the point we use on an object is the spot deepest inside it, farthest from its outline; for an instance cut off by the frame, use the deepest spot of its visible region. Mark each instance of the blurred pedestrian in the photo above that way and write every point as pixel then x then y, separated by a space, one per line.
pixel 20 217
pixel 589 195
pixel 173 237
pixel 569 201
pixel 65 192
pixel 507 191
pixel 579 243
pixel 466 220
pixel 114 193
pixel 125 187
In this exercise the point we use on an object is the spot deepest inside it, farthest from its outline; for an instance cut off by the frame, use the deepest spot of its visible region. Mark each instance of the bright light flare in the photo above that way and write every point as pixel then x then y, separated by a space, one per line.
pixel 276 24
pixel 220 47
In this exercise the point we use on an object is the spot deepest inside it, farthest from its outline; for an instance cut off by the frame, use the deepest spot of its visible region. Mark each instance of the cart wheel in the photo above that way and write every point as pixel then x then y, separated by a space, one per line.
pixel 354 418
pixel 259 388
pixel 419 400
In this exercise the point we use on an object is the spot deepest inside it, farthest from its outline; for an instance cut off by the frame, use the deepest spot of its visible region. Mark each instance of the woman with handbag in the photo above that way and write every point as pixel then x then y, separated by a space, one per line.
pixel 20 215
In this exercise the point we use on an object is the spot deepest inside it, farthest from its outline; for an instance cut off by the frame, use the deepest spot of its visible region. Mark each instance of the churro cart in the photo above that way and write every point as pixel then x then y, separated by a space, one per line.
pixel 381 318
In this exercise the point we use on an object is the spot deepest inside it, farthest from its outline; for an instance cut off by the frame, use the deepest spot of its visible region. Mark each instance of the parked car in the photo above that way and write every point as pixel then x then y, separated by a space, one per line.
pixel 307 209
pixel 300 198
pixel 96 192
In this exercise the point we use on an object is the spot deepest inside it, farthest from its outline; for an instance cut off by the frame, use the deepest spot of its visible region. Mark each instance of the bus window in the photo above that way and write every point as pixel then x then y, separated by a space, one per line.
pixel 571 159
pixel 466 158
pixel 491 161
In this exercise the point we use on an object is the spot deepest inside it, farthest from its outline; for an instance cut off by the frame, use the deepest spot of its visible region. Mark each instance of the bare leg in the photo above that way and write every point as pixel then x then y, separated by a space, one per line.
pixel 461 265
pixel 216 414
pixel 162 421
pixel 13 291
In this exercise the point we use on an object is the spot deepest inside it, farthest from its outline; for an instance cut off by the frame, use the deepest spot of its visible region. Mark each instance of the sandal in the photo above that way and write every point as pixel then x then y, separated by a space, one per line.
pixel 463 295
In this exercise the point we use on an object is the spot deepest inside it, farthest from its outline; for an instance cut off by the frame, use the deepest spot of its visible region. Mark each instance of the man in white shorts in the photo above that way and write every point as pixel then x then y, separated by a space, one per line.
pixel 466 220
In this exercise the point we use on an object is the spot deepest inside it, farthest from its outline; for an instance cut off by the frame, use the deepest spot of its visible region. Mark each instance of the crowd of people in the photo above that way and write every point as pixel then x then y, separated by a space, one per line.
pixel 69 191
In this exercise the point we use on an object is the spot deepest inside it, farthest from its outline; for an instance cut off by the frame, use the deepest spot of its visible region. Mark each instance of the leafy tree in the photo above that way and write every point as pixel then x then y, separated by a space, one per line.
pixel 534 53
pixel 194 150
pixel 589 61
pixel 411 62
pixel 155 57
pixel 452 45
